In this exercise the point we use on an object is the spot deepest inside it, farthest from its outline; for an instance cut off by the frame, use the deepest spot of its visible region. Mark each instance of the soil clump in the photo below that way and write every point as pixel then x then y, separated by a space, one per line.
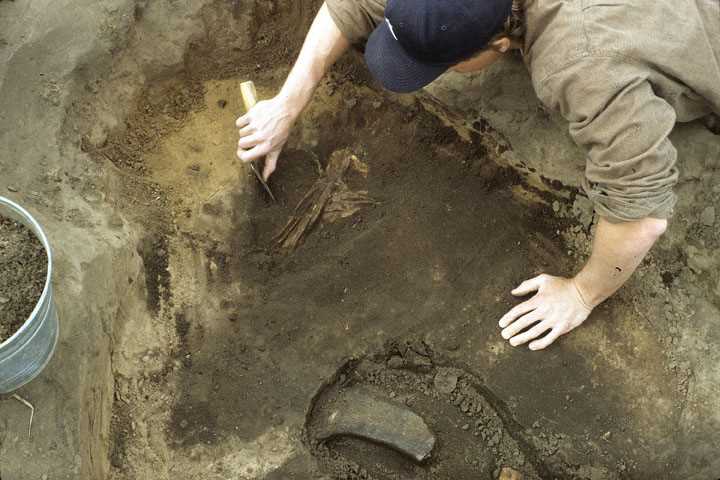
pixel 23 267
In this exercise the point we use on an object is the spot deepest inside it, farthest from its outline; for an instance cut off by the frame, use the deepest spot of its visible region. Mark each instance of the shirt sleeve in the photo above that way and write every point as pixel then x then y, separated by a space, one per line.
pixel 624 126
pixel 356 19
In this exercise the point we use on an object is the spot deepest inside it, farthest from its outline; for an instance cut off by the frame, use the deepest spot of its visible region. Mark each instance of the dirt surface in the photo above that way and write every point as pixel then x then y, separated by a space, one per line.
pixel 245 335
pixel 236 273
pixel 199 349
pixel 23 271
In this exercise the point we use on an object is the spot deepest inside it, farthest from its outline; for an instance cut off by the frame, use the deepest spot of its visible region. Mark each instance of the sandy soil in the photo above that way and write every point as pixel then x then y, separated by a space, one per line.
pixel 23 268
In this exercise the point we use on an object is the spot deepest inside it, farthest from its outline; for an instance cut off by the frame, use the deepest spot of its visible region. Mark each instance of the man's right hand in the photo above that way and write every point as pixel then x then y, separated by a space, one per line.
pixel 264 130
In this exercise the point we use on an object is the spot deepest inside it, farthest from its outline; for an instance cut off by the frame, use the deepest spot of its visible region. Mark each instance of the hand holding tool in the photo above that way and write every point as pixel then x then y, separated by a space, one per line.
pixel 249 95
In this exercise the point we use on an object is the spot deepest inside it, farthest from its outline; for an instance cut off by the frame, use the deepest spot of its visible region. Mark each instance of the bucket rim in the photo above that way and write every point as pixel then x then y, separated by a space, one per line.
pixel 39 233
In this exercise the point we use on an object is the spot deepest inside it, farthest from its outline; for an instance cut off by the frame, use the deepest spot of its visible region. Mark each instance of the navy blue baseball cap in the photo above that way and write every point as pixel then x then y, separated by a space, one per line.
pixel 418 40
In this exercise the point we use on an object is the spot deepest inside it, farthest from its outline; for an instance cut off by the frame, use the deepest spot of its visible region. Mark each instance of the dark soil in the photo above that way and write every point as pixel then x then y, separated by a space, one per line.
pixel 416 264
pixel 257 332
pixel 23 268
pixel 474 439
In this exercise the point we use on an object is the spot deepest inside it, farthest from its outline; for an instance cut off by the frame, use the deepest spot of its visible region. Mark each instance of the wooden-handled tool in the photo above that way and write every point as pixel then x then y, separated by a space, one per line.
pixel 249 95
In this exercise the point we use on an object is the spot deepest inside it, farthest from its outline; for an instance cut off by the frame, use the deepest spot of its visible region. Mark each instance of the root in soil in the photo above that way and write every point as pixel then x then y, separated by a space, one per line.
pixel 32 412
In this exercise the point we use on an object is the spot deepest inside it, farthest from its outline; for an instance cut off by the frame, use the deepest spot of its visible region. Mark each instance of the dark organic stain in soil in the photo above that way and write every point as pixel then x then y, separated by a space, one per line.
pixel 23 268
pixel 154 253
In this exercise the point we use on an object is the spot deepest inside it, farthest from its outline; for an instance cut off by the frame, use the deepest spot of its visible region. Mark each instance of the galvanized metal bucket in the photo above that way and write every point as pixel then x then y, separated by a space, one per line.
pixel 26 353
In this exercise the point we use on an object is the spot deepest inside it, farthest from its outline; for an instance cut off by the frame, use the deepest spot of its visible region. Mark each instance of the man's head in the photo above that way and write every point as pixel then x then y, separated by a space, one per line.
pixel 421 39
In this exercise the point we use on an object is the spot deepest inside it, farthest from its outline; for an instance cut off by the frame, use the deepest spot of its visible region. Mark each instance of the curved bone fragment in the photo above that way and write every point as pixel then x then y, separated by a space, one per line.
pixel 359 414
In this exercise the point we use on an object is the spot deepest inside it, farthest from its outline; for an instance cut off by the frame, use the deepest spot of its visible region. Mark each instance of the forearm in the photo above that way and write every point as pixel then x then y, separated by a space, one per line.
pixel 323 45
pixel 618 249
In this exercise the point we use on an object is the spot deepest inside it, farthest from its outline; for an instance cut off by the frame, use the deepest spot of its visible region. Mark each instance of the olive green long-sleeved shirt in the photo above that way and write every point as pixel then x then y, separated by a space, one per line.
pixel 622 73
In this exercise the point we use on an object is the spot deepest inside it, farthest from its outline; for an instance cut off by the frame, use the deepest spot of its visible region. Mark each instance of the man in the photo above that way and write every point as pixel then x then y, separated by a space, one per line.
pixel 621 72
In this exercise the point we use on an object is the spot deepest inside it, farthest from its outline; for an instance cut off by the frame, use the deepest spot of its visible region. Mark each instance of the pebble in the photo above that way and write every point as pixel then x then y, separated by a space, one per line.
pixel 396 361
pixel 213 267
pixel 556 206
pixel 12 189
pixel 3 300
pixel 699 260
pixel 445 381
pixel 508 473
pixel 707 217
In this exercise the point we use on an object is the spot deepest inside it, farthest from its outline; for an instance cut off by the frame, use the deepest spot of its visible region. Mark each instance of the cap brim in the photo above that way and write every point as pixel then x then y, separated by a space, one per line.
pixel 393 67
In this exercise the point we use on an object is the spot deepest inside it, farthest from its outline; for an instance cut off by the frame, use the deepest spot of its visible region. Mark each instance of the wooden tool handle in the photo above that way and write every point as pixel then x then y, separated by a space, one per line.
pixel 249 94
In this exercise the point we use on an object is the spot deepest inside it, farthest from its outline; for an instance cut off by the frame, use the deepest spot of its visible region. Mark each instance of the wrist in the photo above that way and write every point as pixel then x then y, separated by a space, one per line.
pixel 296 95
pixel 293 103
pixel 588 296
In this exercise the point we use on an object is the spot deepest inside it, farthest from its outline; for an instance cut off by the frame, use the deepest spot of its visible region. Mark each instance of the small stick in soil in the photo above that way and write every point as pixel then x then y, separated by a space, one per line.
pixel 32 411
pixel 329 198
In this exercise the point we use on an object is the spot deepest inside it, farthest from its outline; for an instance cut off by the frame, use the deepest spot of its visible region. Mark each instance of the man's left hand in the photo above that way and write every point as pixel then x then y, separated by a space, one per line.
pixel 558 306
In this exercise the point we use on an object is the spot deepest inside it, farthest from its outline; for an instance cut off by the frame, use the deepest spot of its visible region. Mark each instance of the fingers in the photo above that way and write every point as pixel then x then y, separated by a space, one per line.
pixel 242 121
pixel 246 130
pixel 515 312
pixel 531 334
pixel 529 286
pixel 270 164
pixel 255 153
pixel 246 143
pixel 521 324
pixel 546 340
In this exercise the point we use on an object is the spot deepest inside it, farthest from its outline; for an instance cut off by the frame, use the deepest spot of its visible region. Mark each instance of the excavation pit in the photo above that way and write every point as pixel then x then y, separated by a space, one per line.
pixel 399 263
pixel 200 345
